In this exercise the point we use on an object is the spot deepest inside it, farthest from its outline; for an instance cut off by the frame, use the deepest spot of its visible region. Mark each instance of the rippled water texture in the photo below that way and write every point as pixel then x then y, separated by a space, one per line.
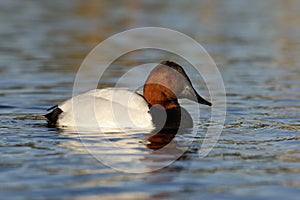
pixel 256 46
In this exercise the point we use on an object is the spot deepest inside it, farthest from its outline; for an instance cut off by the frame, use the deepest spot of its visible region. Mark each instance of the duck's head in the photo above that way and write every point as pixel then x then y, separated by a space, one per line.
pixel 166 83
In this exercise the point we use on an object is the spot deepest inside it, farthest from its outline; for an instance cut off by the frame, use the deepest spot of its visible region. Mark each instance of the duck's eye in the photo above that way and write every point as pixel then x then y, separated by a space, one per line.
pixel 171 76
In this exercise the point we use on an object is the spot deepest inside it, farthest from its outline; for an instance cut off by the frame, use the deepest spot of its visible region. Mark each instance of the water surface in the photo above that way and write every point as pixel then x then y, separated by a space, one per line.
pixel 255 45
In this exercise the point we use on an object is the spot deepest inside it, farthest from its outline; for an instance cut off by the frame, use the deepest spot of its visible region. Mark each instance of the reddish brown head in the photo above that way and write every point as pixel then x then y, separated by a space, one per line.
pixel 166 83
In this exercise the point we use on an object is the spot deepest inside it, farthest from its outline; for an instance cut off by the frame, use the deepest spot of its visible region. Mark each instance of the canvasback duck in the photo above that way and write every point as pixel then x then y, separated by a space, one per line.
pixel 115 108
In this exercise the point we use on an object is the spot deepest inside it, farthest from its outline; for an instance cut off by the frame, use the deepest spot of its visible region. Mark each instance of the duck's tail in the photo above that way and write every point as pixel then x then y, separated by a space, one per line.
pixel 53 115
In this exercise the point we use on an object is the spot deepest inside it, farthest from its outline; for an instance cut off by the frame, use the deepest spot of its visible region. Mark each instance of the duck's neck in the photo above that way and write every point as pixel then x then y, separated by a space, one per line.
pixel 158 94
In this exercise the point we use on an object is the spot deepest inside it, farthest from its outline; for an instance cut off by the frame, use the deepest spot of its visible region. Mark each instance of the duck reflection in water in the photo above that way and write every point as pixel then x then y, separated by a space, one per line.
pixel 168 124
pixel 160 139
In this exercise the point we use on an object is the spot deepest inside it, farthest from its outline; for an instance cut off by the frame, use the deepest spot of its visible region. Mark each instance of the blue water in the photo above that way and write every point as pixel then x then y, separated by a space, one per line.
pixel 255 45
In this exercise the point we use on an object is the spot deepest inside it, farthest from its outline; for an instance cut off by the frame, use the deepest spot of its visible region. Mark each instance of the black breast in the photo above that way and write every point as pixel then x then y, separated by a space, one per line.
pixel 174 118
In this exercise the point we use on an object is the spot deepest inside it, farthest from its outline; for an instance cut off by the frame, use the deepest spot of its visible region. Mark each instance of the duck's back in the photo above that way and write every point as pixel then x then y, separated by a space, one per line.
pixel 106 108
